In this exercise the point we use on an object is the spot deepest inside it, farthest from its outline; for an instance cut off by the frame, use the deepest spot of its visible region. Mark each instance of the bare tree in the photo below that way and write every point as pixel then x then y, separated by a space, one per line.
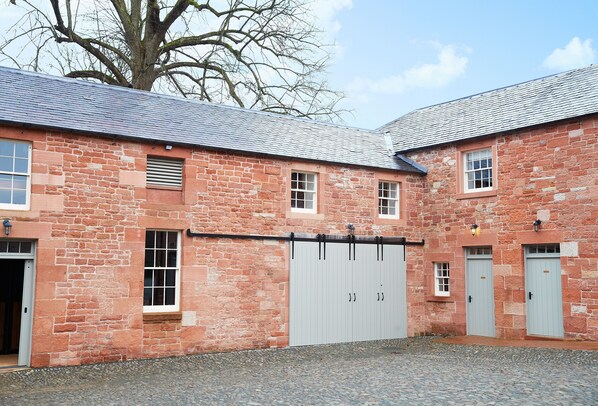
pixel 261 54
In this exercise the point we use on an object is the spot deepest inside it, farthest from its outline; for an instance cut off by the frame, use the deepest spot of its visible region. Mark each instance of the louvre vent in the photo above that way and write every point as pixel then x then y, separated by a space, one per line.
pixel 164 172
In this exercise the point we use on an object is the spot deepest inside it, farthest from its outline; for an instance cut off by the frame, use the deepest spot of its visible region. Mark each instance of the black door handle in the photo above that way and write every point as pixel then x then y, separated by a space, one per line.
pixel 25 311
pixel 383 296
pixel 529 295
pixel 354 297
pixel 378 296
pixel 469 299
pixel 349 296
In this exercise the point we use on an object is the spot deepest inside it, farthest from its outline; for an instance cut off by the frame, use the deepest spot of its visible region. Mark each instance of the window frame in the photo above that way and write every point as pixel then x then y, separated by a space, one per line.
pixel 314 192
pixel 396 199
pixel 27 205
pixel 466 171
pixel 442 280
pixel 153 309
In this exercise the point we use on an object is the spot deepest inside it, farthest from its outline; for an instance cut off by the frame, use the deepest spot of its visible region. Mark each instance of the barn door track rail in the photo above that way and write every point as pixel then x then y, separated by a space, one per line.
pixel 322 240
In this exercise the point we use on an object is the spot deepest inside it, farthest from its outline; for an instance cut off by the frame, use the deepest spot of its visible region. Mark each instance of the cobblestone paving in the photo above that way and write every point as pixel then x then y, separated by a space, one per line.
pixel 407 371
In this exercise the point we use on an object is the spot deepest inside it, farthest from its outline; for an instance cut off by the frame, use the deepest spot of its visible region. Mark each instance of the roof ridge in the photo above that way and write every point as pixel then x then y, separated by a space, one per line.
pixel 180 98
pixel 487 92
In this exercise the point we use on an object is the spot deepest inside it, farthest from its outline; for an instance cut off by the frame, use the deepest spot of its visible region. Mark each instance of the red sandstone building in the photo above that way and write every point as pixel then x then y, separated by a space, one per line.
pixel 142 225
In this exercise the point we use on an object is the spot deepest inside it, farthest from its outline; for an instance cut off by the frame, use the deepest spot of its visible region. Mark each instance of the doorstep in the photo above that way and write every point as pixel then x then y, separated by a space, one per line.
pixel 536 343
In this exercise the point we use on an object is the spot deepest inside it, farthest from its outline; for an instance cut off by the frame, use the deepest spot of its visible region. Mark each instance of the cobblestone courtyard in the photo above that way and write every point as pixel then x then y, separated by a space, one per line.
pixel 407 371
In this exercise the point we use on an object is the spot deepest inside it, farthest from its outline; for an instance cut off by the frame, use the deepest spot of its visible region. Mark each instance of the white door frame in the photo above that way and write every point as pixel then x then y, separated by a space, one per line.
pixel 25 334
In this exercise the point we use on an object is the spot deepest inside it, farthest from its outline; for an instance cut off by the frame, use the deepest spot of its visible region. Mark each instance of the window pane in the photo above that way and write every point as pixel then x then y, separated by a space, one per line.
pixel 160 239
pixel 5 196
pixel 5 181
pixel 25 247
pixel 7 148
pixel 19 197
pixel 172 240
pixel 158 296
pixel 158 277
pixel 171 259
pixel 170 277
pixel 13 246
pixel 160 258
pixel 149 239
pixel 21 150
pixel 3 246
pixel 147 296
pixel 169 296
pixel 148 278
pixel 20 182
pixel 21 165
pixel 6 164
pixel 149 258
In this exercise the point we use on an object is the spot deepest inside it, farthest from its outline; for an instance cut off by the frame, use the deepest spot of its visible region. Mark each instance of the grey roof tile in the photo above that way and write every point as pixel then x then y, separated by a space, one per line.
pixel 33 99
pixel 553 98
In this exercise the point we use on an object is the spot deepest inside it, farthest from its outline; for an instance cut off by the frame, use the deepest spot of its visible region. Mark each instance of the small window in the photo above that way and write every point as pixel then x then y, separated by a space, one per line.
pixel 303 192
pixel 478 170
pixel 441 279
pixel 15 175
pixel 167 173
pixel 388 199
pixel 477 251
pixel 161 273
pixel 15 247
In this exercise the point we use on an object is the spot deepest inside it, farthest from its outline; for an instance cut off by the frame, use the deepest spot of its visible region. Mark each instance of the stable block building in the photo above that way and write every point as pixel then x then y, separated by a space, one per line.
pixel 138 225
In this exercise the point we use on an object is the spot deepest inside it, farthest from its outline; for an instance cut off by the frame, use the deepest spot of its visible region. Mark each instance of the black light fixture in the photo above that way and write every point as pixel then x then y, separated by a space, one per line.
pixel 7 226
pixel 537 225
pixel 475 229
pixel 351 228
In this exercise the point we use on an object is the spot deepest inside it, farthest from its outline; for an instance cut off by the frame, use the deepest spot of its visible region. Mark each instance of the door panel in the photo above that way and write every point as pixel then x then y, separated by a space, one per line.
pixel 305 319
pixel 366 285
pixel 337 286
pixel 545 308
pixel 480 296
pixel 26 315
pixel 393 305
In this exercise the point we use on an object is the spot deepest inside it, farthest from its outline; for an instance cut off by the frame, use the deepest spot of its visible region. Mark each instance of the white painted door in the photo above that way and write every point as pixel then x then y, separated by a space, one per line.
pixel 340 295
pixel 543 291
pixel 480 292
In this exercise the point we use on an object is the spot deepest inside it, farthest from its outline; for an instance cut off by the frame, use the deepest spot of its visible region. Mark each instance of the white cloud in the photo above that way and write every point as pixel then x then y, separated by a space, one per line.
pixel 449 67
pixel 325 13
pixel 575 55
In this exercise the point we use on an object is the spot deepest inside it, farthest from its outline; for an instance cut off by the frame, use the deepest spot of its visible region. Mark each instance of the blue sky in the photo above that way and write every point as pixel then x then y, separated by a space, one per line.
pixel 395 56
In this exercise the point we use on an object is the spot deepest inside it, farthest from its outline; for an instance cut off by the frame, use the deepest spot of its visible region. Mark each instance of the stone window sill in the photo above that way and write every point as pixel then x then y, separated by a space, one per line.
pixel 158 317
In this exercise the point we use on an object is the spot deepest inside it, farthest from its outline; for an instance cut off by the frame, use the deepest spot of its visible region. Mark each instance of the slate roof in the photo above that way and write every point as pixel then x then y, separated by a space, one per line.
pixel 566 95
pixel 44 101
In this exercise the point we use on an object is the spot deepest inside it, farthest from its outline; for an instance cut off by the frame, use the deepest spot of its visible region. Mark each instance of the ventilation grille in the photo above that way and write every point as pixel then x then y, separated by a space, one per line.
pixel 164 172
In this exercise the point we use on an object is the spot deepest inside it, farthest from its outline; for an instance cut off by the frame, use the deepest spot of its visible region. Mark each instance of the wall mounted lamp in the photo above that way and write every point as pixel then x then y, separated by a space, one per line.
pixel 475 230
pixel 537 225
pixel 7 226
pixel 351 228
pixel 168 147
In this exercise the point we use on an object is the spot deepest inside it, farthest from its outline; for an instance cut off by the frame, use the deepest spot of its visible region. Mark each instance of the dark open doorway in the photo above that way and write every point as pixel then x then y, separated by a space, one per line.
pixel 11 297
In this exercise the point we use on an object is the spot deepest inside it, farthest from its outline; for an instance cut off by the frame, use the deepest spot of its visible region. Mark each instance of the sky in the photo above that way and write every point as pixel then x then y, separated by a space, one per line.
pixel 395 56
